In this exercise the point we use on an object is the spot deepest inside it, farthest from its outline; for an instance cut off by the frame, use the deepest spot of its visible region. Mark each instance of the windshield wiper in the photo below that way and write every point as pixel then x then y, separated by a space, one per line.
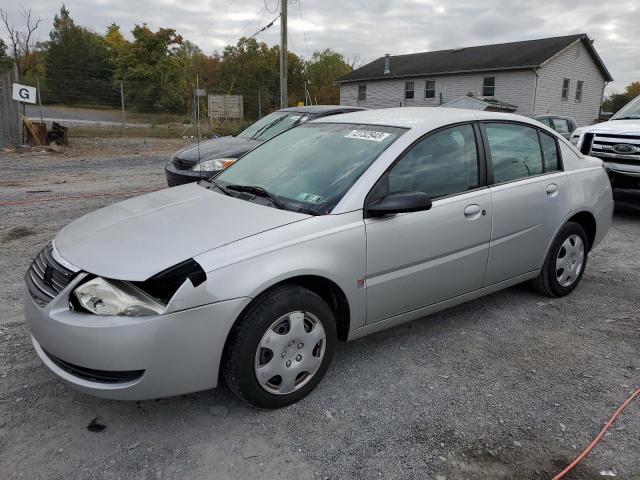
pixel 260 192
pixel 268 126
pixel 219 187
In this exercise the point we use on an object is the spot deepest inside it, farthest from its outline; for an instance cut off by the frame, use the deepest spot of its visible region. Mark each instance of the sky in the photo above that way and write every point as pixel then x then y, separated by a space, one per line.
pixel 367 29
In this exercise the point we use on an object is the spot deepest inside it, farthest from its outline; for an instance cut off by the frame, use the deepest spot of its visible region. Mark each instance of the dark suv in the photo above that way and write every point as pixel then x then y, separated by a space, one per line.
pixel 195 162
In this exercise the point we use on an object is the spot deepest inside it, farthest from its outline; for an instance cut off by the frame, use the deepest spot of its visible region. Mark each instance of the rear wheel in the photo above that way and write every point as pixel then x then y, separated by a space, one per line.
pixel 565 263
pixel 281 347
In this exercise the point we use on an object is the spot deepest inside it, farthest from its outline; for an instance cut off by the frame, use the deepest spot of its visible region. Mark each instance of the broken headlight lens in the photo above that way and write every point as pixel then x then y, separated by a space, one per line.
pixel 111 297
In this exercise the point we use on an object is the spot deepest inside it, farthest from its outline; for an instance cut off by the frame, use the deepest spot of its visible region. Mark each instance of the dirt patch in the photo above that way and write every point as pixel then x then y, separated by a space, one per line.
pixel 16 233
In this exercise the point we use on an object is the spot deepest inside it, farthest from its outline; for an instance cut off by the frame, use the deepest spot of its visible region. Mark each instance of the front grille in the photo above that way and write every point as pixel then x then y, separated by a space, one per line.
pixel 46 278
pixel 183 164
pixel 102 376
pixel 607 147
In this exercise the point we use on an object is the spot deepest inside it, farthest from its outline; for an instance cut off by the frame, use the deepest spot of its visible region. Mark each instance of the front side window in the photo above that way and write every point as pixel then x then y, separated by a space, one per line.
pixel 565 88
pixel 489 87
pixel 273 124
pixel 430 89
pixel 550 152
pixel 579 86
pixel 312 166
pixel 444 163
pixel 362 93
pixel 408 90
pixel 515 151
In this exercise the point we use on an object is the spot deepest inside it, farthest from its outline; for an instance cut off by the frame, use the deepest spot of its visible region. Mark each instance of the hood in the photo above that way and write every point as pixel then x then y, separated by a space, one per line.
pixel 135 239
pixel 223 147
pixel 631 127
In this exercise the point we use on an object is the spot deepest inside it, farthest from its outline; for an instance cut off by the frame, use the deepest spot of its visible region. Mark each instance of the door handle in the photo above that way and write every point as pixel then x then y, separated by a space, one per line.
pixel 552 189
pixel 472 211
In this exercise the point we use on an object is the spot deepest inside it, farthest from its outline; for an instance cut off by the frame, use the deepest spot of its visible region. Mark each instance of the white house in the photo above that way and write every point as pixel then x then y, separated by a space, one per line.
pixel 559 76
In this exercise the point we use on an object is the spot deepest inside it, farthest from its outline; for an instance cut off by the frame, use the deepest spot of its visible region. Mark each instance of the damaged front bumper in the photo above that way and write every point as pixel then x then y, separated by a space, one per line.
pixel 132 358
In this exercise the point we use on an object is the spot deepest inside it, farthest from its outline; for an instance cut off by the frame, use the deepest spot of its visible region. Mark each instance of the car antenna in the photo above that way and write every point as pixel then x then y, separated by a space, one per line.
pixel 197 99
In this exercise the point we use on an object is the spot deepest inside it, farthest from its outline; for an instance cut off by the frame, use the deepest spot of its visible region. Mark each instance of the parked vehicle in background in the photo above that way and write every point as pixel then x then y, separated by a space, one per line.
pixel 333 230
pixel 198 162
pixel 563 125
pixel 617 143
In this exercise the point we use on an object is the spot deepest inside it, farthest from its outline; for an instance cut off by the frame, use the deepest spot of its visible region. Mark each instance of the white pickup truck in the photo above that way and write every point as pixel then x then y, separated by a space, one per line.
pixel 617 143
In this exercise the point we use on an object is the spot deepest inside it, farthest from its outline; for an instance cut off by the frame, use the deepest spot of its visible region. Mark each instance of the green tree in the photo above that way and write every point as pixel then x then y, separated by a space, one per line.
pixel 251 69
pixel 77 65
pixel 322 70
pixel 152 71
pixel 6 62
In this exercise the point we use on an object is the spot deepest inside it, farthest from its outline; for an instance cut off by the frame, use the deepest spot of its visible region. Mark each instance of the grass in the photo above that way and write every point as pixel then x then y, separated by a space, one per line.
pixel 169 130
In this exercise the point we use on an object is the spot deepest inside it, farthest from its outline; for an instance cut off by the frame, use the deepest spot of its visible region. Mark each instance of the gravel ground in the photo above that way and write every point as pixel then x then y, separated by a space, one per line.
pixel 513 385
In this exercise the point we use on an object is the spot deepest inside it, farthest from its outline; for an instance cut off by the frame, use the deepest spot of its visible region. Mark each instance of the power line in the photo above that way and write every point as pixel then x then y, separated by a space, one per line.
pixel 266 6
pixel 304 32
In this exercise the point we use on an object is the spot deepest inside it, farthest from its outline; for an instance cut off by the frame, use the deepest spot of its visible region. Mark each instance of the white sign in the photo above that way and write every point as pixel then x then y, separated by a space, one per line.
pixel 22 93
pixel 367 135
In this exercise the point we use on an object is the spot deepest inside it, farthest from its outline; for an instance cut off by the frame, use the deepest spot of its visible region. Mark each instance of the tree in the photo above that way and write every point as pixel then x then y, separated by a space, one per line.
pixel 251 69
pixel 151 70
pixel 77 65
pixel 322 70
pixel 615 101
pixel 23 47
pixel 6 62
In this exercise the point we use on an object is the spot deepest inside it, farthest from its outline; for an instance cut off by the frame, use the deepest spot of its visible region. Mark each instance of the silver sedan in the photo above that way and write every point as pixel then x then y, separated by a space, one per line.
pixel 330 231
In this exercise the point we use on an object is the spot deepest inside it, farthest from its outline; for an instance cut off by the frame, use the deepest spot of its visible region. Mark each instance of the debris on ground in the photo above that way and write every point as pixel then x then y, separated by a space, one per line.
pixel 96 427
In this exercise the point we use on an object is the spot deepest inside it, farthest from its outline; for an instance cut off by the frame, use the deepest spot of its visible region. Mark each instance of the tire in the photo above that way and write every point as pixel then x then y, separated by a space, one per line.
pixel 554 280
pixel 274 336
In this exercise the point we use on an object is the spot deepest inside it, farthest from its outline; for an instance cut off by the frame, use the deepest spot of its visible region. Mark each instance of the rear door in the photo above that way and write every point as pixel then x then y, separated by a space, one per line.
pixel 530 194
pixel 420 258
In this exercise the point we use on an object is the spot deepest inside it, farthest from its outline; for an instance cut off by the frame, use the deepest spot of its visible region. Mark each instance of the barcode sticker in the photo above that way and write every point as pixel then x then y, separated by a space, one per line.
pixel 367 135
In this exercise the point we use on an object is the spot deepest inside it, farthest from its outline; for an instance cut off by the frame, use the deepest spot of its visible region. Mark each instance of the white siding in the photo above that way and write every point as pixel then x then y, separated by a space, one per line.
pixel 515 87
pixel 573 63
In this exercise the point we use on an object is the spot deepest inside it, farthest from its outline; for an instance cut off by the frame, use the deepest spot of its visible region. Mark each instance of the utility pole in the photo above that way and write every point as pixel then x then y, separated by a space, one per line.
pixel 284 97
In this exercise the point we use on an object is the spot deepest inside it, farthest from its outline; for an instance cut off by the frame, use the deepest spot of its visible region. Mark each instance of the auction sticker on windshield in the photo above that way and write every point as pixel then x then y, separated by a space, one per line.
pixel 367 135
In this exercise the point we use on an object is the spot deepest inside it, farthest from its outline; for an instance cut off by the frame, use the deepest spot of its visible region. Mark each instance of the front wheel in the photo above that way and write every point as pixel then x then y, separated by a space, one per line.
pixel 281 347
pixel 565 263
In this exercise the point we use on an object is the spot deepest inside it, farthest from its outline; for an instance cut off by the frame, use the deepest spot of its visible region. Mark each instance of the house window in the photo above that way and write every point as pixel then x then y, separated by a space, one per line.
pixel 430 89
pixel 579 91
pixel 362 93
pixel 489 87
pixel 408 90
pixel 565 89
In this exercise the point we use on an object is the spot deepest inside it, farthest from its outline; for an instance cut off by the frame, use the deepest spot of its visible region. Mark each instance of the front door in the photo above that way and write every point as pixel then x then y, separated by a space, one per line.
pixel 421 258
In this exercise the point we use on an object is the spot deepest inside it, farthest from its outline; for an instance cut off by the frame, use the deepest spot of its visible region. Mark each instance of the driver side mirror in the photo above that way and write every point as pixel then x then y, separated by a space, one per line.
pixel 401 202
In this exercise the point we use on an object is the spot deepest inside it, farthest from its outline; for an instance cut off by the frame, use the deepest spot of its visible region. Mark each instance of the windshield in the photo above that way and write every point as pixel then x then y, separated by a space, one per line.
pixel 630 110
pixel 311 167
pixel 273 124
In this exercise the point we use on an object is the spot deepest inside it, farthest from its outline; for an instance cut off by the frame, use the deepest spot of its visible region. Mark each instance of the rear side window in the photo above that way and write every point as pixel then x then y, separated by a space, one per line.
pixel 444 163
pixel 561 125
pixel 550 152
pixel 547 122
pixel 515 151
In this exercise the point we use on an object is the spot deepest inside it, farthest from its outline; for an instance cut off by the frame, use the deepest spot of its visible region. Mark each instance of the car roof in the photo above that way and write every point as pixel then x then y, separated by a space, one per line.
pixel 426 118
pixel 320 108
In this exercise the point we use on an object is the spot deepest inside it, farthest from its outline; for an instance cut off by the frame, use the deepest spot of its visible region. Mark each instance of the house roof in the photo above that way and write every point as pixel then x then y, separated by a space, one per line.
pixel 503 56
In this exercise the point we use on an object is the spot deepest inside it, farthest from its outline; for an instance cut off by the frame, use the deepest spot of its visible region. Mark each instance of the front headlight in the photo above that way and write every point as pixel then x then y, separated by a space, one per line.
pixel 111 297
pixel 213 165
